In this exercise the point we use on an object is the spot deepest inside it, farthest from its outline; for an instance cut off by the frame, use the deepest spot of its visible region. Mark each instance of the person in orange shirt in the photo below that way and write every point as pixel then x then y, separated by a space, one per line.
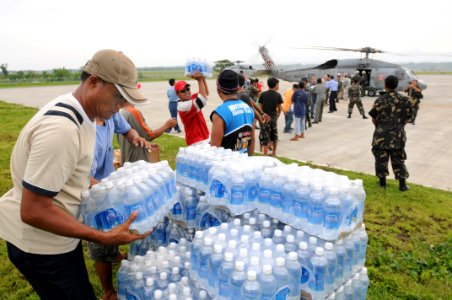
pixel 287 108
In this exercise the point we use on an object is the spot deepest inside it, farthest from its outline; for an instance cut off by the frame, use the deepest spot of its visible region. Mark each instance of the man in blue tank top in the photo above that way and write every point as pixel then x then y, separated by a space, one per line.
pixel 232 121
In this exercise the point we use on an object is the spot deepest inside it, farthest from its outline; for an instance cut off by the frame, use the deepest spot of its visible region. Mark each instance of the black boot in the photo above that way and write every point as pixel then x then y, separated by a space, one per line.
pixel 382 181
pixel 349 115
pixel 364 116
pixel 402 185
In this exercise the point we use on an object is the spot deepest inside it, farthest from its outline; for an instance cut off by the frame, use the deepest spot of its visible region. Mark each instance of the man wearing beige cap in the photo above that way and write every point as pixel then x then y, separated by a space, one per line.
pixel 50 166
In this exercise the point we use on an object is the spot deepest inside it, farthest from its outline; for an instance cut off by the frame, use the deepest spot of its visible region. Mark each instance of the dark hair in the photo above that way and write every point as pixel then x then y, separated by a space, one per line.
pixel 391 82
pixel 84 76
pixel 295 86
pixel 171 81
pixel 319 80
pixel 272 82
pixel 241 80
pixel 301 84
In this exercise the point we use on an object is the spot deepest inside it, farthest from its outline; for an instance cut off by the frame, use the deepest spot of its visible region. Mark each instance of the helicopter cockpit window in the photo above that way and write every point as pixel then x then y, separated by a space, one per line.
pixel 400 74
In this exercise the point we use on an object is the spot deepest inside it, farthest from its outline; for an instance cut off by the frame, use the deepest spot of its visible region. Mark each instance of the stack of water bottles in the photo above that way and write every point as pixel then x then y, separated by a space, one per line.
pixel 160 274
pixel 321 203
pixel 148 189
pixel 194 65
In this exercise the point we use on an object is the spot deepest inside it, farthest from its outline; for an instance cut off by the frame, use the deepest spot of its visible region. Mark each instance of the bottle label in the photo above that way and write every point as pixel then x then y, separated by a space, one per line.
pixel 304 275
pixel 109 218
pixel 177 209
pixel 253 192
pixel 216 189
pixel 264 195
pixel 332 220
pixel 191 212
pixel 276 200
pixel 225 288
pixel 204 266
pixel 282 293
pixel 140 208
pixel 236 197
pixel 316 214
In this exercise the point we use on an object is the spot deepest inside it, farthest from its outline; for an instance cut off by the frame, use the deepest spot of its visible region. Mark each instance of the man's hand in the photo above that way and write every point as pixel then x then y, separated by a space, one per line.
pixel 121 234
pixel 170 123
pixel 197 76
pixel 140 142
pixel 266 117
pixel 153 147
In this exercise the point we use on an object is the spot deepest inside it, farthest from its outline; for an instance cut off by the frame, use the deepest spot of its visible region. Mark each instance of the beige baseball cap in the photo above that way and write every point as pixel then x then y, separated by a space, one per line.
pixel 115 67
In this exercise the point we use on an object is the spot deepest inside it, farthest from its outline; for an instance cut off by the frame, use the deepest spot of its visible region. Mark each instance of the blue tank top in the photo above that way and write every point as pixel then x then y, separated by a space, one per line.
pixel 238 118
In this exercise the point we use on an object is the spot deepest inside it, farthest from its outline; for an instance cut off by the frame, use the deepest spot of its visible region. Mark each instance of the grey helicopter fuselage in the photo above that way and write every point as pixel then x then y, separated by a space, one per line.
pixel 375 70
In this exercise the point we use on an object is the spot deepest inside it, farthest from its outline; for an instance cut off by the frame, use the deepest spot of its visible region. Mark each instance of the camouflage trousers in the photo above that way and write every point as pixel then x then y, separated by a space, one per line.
pixel 358 103
pixel 397 156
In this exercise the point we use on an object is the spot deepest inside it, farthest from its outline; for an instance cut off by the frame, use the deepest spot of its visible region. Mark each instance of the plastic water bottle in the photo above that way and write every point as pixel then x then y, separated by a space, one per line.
pixel 289 208
pixel 268 283
pixel 363 245
pixel 138 287
pixel 330 275
pixel 304 257
pixel 204 258
pixel 316 212
pixel 195 255
pixel 175 275
pixel 215 262
pixel 134 201
pixel 278 237
pixel 190 211
pixel 238 277
pixel 225 274
pixel 294 269
pixel 238 193
pixel 88 209
pixel 348 290
pixel 301 204
pixel 364 283
pixel 282 278
pixel 332 220
pixel 290 243
pixel 121 277
pixel 317 280
pixel 340 261
pixel 349 253
pixel 251 289
pixel 266 229
pixel 149 288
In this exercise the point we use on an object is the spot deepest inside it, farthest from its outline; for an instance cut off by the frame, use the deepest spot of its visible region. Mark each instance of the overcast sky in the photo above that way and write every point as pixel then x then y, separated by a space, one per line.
pixel 47 34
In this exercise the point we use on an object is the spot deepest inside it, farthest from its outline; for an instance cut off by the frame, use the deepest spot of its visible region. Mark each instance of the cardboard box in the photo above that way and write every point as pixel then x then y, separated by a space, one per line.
pixel 154 156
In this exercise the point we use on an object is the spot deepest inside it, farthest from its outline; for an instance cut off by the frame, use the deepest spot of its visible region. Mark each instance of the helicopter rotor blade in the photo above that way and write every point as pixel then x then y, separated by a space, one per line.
pixel 363 50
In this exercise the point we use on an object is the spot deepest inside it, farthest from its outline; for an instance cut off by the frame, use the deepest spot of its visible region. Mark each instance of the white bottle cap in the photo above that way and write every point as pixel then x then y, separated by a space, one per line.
pixel 247 228
pixel 212 230
pixel 175 270
pixel 312 240
pixel 157 294
pixel 228 256
pixel 319 251
pixel 329 246
pixel 198 235
pixel 149 281
pixel 244 238
pixel 239 265
pixel 138 276
pixel 267 269
pixel 234 232
pixel 232 244
pixel 266 224
pixel 300 234
pixel 207 241
pixel 364 270
pixel 254 260
pixel 290 238
pixel 256 246
pixel 237 222
pixel 268 253
pixel 293 256
pixel 172 287
pixel 257 234
pixel 217 248
pixel 280 261
pixel 339 242
pixel 186 291
pixel 252 221
pixel 224 226
pixel 277 233
pixel 221 237
pixel 187 265
pixel 251 275
pixel 303 245
pixel 243 252
pixel 287 228
pixel 163 276
pixel 202 294
pixel 268 242
pixel 280 248
pixel 172 297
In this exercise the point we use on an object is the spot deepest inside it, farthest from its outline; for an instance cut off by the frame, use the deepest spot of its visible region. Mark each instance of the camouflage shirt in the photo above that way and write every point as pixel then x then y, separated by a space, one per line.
pixel 391 112
pixel 354 93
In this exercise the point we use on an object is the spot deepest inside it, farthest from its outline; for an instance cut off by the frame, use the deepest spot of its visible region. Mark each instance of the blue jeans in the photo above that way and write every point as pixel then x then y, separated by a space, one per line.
pixel 173 112
pixel 299 125
pixel 288 117
pixel 56 276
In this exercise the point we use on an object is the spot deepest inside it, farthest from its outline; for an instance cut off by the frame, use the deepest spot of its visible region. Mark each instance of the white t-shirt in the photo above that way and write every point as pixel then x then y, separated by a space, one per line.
pixel 53 157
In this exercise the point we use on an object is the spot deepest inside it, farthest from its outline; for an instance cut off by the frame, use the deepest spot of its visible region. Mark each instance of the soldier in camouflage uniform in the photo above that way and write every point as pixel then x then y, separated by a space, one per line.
pixel 354 95
pixel 415 93
pixel 390 113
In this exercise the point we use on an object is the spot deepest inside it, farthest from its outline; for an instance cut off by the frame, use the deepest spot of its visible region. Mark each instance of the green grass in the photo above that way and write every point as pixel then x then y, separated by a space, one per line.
pixel 409 255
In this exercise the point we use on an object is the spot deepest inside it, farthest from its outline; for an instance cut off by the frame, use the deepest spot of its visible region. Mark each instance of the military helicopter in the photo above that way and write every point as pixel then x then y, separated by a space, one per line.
pixel 245 69
pixel 375 71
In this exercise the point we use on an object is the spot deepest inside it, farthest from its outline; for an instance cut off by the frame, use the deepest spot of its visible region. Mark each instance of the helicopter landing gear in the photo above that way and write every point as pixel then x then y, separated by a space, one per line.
pixel 371 92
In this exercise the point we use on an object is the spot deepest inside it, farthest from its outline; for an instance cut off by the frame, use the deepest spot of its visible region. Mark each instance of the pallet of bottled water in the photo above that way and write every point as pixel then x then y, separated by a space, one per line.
pixel 149 189
pixel 195 65
pixel 161 274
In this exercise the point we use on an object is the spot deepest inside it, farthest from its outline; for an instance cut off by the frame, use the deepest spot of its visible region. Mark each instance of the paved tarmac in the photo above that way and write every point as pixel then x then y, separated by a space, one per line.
pixel 337 142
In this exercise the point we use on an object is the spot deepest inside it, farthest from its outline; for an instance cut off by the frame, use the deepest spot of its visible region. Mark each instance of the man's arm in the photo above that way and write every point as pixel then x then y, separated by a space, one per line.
pixel 217 130
pixel 135 139
pixel 278 110
pixel 170 123
pixel 39 211
pixel 252 142
pixel 203 90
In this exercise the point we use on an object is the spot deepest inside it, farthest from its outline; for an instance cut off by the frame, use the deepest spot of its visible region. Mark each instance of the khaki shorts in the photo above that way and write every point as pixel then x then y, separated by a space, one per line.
pixel 103 253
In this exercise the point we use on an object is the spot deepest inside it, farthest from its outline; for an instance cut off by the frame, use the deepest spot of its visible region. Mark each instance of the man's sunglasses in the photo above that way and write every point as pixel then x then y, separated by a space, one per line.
pixel 184 90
